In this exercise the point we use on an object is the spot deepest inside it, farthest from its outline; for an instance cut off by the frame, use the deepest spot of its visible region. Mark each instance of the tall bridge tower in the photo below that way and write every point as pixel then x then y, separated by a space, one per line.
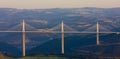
pixel 62 31
pixel 97 34
pixel 23 39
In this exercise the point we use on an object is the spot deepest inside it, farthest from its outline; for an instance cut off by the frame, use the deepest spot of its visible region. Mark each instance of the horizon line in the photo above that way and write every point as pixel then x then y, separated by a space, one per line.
pixel 60 7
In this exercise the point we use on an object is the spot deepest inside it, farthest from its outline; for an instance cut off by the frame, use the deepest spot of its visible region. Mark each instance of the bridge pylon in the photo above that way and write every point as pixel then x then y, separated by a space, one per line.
pixel 23 39
pixel 62 38
pixel 97 34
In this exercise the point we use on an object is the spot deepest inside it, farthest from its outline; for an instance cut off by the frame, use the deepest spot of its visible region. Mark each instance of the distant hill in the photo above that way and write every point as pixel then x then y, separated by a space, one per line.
pixel 74 44
pixel 9 49
pixel 74 17
pixel 54 46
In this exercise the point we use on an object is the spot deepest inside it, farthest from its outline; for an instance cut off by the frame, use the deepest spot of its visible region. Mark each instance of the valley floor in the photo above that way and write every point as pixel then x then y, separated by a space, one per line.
pixel 59 57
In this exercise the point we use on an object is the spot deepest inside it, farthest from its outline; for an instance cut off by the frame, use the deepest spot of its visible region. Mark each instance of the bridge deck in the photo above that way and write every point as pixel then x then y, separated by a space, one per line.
pixel 66 32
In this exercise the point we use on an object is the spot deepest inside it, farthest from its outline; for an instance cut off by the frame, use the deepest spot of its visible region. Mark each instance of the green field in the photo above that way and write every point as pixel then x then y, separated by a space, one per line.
pixel 2 56
pixel 33 57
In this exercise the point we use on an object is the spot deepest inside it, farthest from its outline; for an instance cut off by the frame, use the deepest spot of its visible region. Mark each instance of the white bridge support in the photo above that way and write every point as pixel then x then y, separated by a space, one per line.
pixel 23 39
pixel 97 34
pixel 62 42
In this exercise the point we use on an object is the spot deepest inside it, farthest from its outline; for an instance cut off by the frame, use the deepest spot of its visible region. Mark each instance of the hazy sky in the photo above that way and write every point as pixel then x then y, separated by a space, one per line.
pixel 58 3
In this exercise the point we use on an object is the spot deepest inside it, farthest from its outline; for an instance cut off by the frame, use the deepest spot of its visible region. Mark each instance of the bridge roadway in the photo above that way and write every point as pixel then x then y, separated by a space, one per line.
pixel 72 32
